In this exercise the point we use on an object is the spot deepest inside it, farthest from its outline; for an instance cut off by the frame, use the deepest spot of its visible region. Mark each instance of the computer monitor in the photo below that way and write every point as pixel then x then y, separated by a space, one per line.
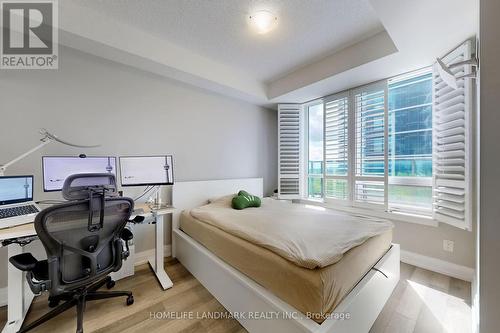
pixel 57 168
pixel 146 170
pixel 15 189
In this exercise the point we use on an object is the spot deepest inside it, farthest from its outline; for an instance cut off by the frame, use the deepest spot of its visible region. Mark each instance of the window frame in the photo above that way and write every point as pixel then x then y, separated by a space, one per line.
pixel 413 214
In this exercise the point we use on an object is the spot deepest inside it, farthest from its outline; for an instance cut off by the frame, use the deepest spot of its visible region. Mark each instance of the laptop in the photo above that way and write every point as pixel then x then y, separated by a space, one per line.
pixel 16 201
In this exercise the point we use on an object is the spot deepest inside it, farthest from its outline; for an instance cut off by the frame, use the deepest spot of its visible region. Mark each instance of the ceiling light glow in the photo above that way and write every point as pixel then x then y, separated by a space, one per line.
pixel 263 21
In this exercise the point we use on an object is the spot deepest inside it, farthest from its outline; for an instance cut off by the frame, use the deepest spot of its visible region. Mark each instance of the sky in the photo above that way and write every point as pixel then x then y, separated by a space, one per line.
pixel 316 133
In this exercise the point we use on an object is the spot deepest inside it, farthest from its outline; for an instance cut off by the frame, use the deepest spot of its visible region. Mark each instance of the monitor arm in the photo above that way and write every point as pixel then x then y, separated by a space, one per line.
pixel 47 138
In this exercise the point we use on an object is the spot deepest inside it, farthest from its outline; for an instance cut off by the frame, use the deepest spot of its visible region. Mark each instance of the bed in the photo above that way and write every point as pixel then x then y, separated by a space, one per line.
pixel 344 296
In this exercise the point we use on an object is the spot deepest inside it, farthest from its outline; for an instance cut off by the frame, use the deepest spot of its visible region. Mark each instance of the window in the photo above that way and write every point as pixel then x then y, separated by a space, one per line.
pixel 372 146
pixel 410 142
pixel 315 151
pixel 402 145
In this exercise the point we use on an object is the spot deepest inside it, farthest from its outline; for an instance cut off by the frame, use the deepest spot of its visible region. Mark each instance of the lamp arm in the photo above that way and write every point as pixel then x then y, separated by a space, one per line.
pixel 46 139
pixel 4 167
pixel 52 137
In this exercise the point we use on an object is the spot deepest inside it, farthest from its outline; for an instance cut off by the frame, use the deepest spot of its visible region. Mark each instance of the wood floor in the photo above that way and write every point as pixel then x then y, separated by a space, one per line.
pixel 423 301
pixel 426 302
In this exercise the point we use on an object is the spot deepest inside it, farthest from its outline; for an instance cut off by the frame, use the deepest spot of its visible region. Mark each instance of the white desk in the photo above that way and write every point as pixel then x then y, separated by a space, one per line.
pixel 20 295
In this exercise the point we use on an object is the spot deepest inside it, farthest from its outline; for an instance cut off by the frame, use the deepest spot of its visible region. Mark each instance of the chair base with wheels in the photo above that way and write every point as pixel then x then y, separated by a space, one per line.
pixel 78 299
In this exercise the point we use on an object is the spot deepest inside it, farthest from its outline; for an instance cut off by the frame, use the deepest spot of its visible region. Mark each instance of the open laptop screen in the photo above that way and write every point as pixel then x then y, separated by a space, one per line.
pixel 15 189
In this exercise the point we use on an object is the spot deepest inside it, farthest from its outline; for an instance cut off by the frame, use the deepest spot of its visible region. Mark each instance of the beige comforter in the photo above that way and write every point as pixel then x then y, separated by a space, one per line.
pixel 308 236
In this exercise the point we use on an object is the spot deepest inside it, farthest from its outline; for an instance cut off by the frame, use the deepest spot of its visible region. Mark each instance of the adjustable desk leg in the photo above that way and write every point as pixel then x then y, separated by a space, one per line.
pixel 19 296
pixel 156 263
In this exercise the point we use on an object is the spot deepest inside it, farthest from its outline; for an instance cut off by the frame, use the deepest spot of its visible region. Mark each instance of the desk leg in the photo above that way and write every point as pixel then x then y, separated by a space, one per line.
pixel 157 263
pixel 19 298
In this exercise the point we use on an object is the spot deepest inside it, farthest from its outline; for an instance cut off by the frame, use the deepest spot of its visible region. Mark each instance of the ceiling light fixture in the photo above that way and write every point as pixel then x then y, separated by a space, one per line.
pixel 263 21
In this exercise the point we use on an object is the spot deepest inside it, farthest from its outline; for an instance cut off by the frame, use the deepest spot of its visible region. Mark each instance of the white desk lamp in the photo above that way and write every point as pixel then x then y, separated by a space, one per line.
pixel 447 75
pixel 46 139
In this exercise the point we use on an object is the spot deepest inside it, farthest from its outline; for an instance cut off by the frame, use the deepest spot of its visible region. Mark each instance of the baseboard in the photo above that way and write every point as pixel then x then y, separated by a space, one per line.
pixel 3 296
pixel 437 265
pixel 143 256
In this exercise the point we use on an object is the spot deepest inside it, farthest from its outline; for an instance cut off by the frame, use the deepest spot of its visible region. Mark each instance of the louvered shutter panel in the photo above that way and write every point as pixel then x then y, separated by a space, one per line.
pixel 370 157
pixel 336 141
pixel 290 151
pixel 452 116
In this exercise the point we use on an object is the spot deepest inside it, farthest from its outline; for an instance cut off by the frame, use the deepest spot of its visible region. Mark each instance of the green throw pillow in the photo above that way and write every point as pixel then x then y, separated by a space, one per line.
pixel 244 200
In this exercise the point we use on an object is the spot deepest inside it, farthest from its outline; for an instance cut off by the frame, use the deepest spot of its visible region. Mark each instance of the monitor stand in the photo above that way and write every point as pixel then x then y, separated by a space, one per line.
pixel 158 204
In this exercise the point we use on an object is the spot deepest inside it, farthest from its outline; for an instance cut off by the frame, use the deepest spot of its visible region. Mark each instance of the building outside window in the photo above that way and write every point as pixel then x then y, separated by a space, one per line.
pixel 410 142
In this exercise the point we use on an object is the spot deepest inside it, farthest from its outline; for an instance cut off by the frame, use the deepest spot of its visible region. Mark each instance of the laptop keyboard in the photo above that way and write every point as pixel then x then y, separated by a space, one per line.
pixel 17 211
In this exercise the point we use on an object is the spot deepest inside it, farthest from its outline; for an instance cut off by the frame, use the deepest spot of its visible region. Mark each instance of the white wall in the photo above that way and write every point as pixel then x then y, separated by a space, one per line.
pixel 128 111
pixel 428 241
pixel 489 223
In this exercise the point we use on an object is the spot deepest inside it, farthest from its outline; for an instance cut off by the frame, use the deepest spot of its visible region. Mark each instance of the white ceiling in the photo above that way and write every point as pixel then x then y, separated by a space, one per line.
pixel 217 29
pixel 319 46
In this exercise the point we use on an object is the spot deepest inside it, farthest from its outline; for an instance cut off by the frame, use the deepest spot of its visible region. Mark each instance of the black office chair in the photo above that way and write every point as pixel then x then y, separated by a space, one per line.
pixel 83 239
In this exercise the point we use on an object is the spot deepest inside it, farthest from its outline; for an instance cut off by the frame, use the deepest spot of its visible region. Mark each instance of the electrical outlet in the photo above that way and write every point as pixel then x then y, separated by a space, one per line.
pixel 448 245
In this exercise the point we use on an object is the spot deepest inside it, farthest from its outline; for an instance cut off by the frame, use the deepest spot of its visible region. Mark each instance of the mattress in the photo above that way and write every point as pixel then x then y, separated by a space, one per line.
pixel 314 292
pixel 309 236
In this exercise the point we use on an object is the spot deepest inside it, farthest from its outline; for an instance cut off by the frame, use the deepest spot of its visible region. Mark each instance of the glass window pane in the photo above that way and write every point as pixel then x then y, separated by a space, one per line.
pixel 336 188
pixel 315 148
pixel 315 187
pixel 410 126
pixel 410 140
pixel 315 139
pixel 411 196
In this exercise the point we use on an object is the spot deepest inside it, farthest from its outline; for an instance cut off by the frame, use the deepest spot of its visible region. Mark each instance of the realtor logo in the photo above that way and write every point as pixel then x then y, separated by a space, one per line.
pixel 29 34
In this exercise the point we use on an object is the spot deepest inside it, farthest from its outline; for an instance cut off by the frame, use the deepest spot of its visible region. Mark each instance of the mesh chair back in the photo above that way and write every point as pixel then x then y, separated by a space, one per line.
pixel 80 245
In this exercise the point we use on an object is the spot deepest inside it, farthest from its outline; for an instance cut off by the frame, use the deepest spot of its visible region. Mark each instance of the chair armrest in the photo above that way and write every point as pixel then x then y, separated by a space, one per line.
pixel 24 261
pixel 126 235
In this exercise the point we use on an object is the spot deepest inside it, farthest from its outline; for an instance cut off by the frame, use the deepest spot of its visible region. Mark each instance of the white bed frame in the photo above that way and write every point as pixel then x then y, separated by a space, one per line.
pixel 241 295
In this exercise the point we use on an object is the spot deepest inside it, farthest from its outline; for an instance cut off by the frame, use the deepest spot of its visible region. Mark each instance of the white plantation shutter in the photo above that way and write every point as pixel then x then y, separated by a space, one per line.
pixel 336 146
pixel 452 159
pixel 370 160
pixel 290 151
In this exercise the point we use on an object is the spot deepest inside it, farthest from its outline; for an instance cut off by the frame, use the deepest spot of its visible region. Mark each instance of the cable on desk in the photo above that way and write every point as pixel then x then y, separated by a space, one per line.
pixel 22 241
pixel 146 191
